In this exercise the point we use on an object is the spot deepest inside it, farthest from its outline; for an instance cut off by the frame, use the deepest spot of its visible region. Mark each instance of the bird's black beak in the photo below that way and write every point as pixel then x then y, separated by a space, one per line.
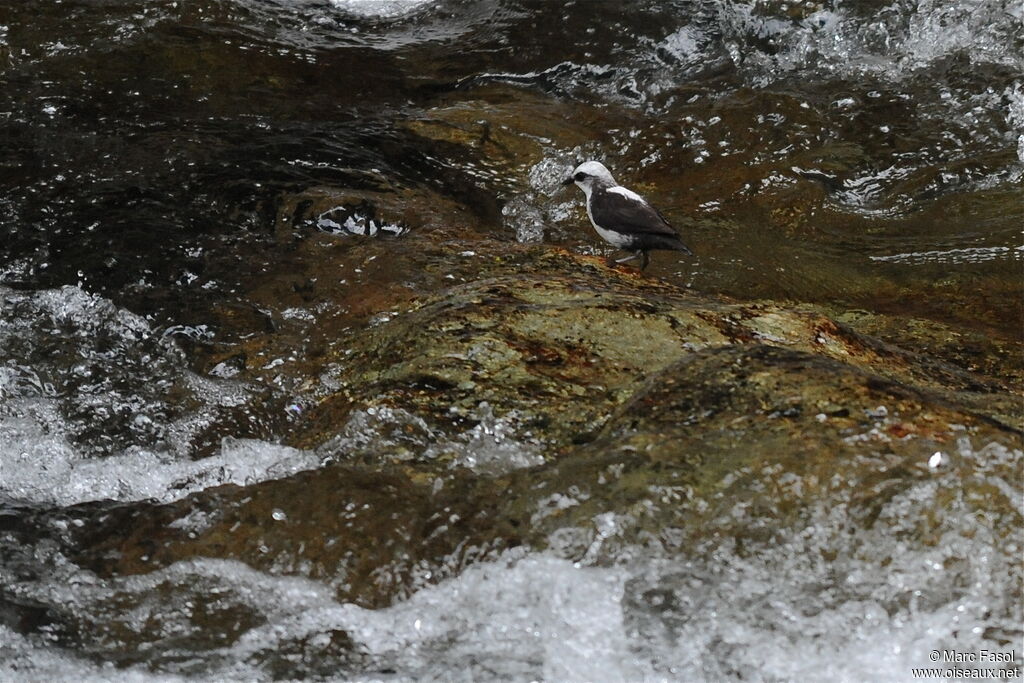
pixel 568 181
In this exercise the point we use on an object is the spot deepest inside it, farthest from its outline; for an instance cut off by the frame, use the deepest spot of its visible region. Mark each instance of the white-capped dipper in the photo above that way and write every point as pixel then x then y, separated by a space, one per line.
pixel 621 217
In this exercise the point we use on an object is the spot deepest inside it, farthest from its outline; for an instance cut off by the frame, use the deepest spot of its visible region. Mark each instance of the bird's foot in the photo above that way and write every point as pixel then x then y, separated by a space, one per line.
pixel 642 255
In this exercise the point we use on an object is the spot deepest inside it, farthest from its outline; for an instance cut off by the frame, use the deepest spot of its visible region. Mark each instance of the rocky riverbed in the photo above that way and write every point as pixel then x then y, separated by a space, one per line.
pixel 317 373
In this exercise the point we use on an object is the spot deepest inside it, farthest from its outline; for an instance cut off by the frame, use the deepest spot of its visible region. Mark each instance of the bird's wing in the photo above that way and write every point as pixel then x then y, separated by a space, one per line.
pixel 629 213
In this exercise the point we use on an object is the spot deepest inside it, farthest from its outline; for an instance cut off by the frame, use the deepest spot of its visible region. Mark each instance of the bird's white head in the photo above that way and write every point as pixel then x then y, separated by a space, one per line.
pixel 588 173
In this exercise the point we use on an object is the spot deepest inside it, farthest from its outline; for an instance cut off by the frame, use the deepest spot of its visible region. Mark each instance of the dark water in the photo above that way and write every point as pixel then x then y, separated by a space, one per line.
pixel 159 158
pixel 150 145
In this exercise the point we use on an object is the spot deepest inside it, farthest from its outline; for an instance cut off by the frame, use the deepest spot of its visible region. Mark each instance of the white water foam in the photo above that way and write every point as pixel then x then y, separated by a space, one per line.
pixel 525 618
pixel 43 468
pixel 892 42
pixel 1015 114
pixel 536 210
pixel 25 660
pixel 381 9
pixel 824 600
pixel 86 408
pixel 492 446
pixel 537 617
pixel 953 256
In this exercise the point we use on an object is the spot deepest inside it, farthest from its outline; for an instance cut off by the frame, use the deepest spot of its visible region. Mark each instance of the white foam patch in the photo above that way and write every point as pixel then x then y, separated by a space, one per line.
pixel 953 256
pixel 27 660
pixel 357 224
pixel 522 618
pixel 1015 115
pixel 533 213
pixel 492 446
pixel 828 598
pixel 43 468
pixel 538 617
pixel 381 9
pixel 97 405
pixel 525 217
pixel 891 43
pixel 684 44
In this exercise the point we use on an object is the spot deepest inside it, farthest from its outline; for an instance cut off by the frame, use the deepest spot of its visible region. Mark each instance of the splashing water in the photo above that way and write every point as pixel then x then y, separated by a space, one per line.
pixel 819 601
pixel 382 9
pixel 87 411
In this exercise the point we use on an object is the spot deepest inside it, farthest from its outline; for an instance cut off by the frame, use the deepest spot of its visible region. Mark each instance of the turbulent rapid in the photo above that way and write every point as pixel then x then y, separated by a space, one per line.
pixel 311 369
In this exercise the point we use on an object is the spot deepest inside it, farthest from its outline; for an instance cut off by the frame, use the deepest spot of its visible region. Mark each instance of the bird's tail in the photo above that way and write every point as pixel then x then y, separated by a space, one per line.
pixel 672 243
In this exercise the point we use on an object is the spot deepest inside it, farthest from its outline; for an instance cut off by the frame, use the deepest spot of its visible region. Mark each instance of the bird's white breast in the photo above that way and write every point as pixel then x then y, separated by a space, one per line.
pixel 615 239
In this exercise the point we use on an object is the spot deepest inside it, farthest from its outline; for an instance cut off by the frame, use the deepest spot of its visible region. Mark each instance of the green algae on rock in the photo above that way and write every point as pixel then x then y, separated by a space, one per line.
pixel 579 343
pixel 686 420
pixel 738 445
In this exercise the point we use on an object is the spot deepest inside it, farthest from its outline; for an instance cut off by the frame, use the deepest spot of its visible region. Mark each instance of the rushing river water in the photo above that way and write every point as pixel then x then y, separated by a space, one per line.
pixel 178 175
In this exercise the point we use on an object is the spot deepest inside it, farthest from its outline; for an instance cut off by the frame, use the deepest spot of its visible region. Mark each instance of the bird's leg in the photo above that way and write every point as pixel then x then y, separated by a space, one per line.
pixel 627 259
pixel 645 258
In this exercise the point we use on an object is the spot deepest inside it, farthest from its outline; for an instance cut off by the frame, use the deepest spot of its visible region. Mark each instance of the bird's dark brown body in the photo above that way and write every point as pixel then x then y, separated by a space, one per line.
pixel 623 218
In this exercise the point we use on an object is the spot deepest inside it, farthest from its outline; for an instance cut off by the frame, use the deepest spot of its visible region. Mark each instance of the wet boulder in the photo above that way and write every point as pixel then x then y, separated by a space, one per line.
pixel 748 442
pixel 373 536
pixel 731 447
pixel 558 350
pixel 655 417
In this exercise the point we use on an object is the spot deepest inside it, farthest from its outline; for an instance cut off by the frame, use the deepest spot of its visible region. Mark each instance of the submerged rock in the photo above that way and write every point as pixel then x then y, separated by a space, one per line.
pixel 561 349
pixel 732 456
pixel 372 536
pixel 778 433
pixel 659 418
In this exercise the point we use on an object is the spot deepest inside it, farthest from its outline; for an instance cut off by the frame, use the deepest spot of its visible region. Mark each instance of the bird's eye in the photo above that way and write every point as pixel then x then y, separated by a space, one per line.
pixel 580 176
